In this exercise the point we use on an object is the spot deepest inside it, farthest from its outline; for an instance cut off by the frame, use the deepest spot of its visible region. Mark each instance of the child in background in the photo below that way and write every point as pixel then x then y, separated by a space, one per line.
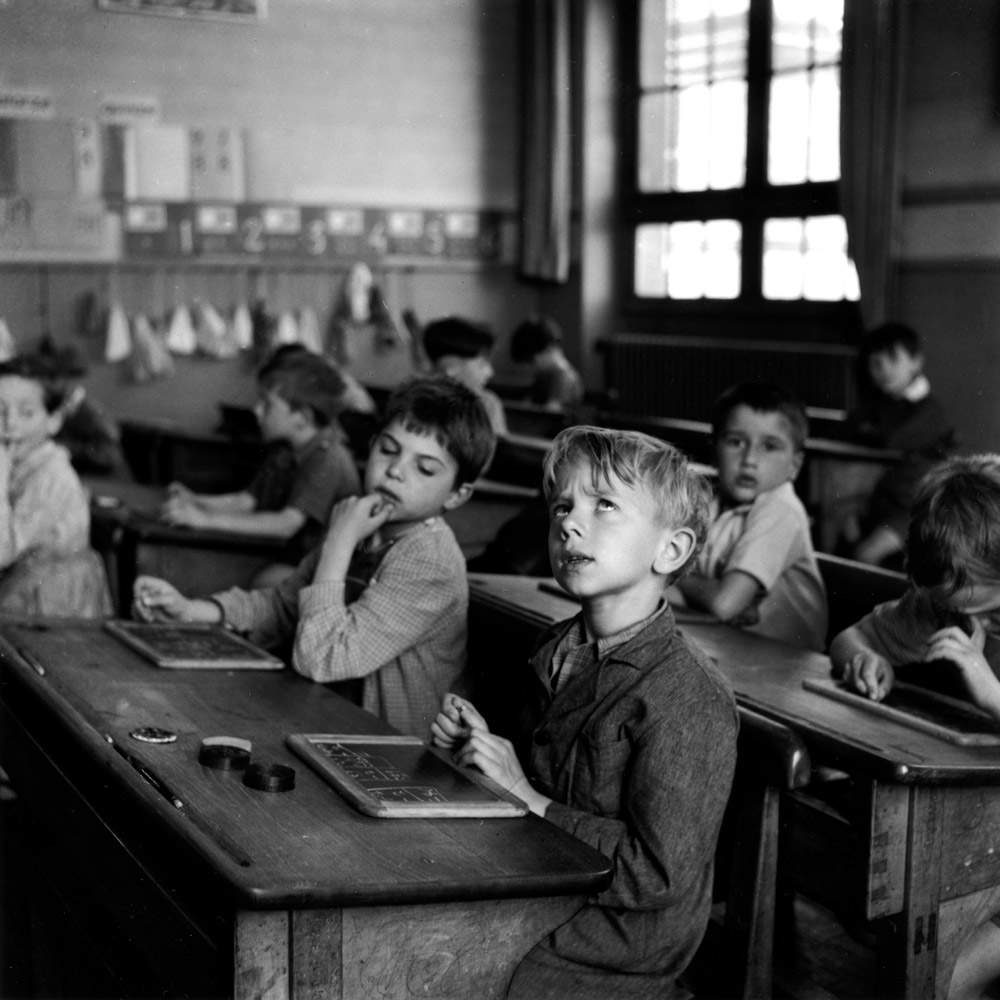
pixel 383 601
pixel 903 414
pixel 557 385
pixel 46 564
pixel 630 738
pixel 300 395
pixel 89 435
pixel 948 623
pixel 758 568
pixel 461 349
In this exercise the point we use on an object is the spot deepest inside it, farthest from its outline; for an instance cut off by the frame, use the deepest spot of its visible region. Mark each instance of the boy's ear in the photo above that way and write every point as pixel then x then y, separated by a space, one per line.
pixel 458 496
pixel 674 550
pixel 54 422
pixel 797 457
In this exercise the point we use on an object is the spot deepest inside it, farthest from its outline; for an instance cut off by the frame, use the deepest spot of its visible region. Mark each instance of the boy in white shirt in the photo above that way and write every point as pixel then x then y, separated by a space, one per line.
pixel 758 568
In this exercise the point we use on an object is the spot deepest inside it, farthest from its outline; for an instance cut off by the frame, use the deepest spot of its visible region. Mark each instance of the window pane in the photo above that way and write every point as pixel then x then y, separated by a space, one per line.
pixel 804 110
pixel 807 259
pixel 692 41
pixel 688 260
pixel 692 115
pixel 805 33
pixel 804 127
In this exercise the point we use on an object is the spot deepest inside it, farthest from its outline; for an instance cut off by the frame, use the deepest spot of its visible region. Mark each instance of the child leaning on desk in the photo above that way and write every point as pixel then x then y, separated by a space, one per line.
pixel 300 397
pixel 758 568
pixel 383 600
pixel 47 566
pixel 948 622
pixel 630 739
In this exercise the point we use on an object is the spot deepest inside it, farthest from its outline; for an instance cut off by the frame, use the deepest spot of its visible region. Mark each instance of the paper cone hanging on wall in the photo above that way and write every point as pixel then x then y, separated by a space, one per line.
pixel 150 357
pixel 8 348
pixel 211 332
pixel 180 333
pixel 309 335
pixel 288 329
pixel 117 339
pixel 242 327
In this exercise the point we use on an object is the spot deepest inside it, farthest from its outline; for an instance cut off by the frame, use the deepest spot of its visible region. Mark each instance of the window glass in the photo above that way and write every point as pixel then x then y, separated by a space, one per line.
pixel 688 260
pixel 807 259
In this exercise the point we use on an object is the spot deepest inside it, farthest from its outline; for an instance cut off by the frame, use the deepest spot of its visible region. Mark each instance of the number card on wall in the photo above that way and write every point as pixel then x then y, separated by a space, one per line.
pixel 346 230
pixel 216 229
pixel 405 232
pixel 158 229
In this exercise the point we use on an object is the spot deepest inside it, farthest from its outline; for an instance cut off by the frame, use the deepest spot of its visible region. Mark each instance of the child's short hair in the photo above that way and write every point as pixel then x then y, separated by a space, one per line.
pixel 307 383
pixel 762 397
pixel 453 414
pixel 887 338
pixel 534 336
pixel 635 459
pixel 458 336
pixel 954 533
pixel 36 368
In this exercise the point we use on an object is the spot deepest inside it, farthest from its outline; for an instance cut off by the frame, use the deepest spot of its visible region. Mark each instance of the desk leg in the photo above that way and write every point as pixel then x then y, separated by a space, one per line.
pixel 922 895
pixel 451 951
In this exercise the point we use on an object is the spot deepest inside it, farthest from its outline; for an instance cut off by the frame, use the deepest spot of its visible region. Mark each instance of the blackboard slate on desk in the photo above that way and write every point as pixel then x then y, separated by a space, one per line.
pixel 395 777
pixel 192 647
pixel 920 708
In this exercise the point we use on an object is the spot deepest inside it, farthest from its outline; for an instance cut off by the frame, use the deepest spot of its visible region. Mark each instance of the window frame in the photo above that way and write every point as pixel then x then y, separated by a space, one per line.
pixel 749 205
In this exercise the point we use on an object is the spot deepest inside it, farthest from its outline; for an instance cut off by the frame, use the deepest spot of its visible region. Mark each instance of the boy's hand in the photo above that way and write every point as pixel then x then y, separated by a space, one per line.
pixel 869 674
pixel 155 600
pixel 455 722
pixel 966 652
pixel 181 510
pixel 495 757
pixel 355 518
pixel 180 492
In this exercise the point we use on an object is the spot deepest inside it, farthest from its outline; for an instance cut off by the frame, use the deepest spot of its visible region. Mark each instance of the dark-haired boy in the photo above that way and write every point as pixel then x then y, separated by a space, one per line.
pixel 382 603
pixel 461 349
pixel 758 568
pixel 299 398
pixel 557 384
pixel 902 413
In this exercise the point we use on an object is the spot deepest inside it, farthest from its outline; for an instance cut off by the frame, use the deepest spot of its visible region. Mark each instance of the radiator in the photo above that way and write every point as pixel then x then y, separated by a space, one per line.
pixel 681 376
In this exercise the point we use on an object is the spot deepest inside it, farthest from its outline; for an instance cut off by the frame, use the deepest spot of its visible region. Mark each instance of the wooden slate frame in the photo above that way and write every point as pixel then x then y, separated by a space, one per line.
pixel 223 650
pixel 391 789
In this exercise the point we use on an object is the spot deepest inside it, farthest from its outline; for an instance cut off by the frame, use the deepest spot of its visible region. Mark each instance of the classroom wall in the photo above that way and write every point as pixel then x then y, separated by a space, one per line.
pixel 370 102
pixel 949 258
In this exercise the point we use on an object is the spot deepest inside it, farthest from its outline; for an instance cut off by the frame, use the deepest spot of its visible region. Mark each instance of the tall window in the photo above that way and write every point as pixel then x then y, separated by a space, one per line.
pixel 735 116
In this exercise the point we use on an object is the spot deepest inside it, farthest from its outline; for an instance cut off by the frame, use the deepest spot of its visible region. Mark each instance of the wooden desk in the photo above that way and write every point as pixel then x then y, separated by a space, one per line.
pixel 141 543
pixel 245 893
pixel 923 861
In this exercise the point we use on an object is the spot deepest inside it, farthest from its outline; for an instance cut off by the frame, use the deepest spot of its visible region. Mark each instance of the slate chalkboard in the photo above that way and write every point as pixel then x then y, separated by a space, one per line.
pixel 198 647
pixel 394 777
pixel 920 708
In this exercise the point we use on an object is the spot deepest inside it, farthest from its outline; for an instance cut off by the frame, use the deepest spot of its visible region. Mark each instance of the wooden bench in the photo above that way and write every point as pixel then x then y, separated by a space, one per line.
pixel 854 588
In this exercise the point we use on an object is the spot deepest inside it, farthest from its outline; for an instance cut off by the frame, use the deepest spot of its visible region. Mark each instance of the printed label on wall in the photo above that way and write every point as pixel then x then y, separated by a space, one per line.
pixel 159 229
pixel 22 102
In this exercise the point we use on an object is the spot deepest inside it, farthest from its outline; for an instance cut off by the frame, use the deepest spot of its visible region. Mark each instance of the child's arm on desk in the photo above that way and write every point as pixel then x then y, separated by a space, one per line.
pixel 179 495
pixel 732 599
pixel 860 666
pixel 155 600
pixel 461 729
pixel 272 523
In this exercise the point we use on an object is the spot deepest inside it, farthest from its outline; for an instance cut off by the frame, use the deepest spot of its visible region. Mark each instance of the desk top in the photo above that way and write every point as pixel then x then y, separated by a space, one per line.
pixel 767 676
pixel 303 848
pixel 137 510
